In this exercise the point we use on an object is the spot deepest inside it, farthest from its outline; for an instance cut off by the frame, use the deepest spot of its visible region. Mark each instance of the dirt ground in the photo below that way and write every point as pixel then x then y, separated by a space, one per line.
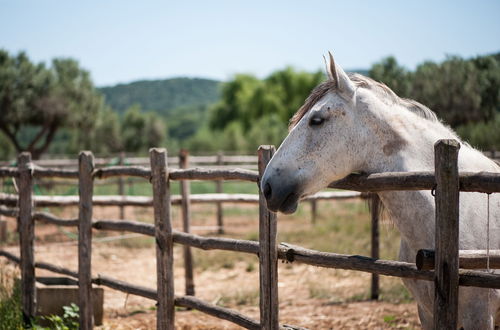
pixel 310 297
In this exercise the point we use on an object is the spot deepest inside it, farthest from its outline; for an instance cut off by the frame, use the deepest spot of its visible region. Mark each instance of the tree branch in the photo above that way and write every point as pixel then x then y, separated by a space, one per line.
pixel 41 133
pixel 37 152
pixel 11 136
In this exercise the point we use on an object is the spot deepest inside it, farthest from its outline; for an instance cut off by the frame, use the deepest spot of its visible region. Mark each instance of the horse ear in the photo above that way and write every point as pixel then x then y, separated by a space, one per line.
pixel 339 77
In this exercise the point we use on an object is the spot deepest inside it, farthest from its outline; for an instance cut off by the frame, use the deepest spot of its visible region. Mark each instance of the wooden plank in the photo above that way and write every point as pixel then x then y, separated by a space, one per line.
pixel 86 188
pixel 218 189
pixel 111 171
pixel 447 235
pixel 479 182
pixel 213 174
pixel 165 312
pixel 467 259
pixel 268 255
pixel 375 213
pixel 186 222
pixel 26 236
pixel 9 172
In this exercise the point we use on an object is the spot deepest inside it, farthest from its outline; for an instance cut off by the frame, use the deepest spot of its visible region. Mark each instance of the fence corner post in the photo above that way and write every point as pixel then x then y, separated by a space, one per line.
pixel 164 242
pixel 447 234
pixel 85 188
pixel 26 236
pixel 268 253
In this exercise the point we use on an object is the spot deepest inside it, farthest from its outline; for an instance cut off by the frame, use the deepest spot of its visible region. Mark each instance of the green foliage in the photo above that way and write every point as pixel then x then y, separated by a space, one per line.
pixel 392 74
pixel 36 102
pixel 246 99
pixel 69 320
pixel 140 131
pixel 162 95
pixel 482 135
pixel 460 91
pixel 253 112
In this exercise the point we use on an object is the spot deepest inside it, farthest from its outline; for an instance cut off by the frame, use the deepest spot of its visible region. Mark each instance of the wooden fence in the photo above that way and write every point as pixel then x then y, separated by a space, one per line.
pixel 184 160
pixel 447 183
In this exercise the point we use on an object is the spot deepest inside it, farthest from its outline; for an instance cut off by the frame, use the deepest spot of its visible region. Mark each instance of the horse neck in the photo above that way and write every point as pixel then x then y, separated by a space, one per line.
pixel 412 141
pixel 413 212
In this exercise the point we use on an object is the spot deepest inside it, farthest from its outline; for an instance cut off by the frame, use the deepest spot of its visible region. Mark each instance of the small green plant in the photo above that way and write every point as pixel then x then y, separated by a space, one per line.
pixel 69 320
pixel 390 320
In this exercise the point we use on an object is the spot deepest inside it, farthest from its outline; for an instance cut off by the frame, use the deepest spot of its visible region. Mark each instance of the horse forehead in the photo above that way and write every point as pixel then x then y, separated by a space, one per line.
pixel 328 100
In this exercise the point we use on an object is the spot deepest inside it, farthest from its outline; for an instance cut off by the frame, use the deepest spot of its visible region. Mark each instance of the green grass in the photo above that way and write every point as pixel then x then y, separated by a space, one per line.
pixel 141 187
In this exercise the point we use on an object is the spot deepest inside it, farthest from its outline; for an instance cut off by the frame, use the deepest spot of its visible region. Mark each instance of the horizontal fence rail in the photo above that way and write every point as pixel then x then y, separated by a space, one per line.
pixel 472 182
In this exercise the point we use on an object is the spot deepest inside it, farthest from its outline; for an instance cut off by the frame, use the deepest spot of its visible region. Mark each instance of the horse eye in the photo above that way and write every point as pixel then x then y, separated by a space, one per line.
pixel 316 121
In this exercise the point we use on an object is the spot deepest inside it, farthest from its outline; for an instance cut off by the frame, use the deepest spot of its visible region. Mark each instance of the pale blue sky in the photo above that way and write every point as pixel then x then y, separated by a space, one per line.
pixel 122 41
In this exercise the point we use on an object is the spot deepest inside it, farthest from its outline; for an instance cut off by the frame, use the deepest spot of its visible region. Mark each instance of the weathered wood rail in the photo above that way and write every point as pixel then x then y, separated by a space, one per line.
pixel 267 249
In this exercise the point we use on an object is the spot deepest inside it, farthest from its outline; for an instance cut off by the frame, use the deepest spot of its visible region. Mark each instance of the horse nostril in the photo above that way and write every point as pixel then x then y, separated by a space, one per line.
pixel 267 190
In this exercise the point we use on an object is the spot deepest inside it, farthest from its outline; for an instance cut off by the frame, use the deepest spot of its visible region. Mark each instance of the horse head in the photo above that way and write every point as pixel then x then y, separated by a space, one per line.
pixel 326 142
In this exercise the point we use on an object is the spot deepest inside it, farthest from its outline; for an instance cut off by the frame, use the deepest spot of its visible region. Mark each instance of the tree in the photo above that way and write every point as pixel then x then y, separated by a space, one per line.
pixel 36 102
pixel 460 91
pixel 141 131
pixel 393 75
pixel 246 99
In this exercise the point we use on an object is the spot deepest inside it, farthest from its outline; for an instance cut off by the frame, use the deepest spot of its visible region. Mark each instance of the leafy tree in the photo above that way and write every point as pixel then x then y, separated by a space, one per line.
pixel 141 131
pixel 36 102
pixel 234 105
pixel 482 135
pixel 452 89
pixel 460 91
pixel 108 137
pixel 245 99
pixel 393 75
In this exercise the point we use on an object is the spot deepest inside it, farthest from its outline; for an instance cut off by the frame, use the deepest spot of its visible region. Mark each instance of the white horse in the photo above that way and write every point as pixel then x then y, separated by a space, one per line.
pixel 350 123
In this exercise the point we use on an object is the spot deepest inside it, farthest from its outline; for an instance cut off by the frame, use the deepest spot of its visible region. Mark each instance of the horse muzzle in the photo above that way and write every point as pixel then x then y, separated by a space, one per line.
pixel 281 194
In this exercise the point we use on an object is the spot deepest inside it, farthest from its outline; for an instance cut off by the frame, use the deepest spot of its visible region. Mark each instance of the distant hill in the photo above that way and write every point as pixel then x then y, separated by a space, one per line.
pixel 162 96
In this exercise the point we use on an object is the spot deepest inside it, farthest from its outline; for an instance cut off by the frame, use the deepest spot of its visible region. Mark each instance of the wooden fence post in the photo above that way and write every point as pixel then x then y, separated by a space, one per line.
pixel 218 189
pixel 314 211
pixel 164 243
pixel 375 213
pixel 186 220
pixel 447 234
pixel 26 236
pixel 121 184
pixel 85 188
pixel 268 253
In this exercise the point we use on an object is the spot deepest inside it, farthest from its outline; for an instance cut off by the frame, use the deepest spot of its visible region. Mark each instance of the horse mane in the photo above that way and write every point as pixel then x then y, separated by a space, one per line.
pixel 360 81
